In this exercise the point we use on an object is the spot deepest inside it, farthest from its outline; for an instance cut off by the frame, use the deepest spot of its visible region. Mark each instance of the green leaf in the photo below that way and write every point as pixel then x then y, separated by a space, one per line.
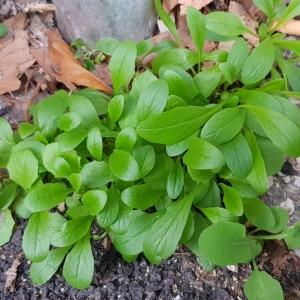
pixel 79 265
pixel 163 236
pixel 94 143
pixel 218 214
pixel 180 82
pixel 175 182
pixel 164 16
pixel 223 126
pixel 258 213
pixel 107 45
pixel 229 72
pixel 258 176
pixel 175 125
pixel 69 121
pixel 115 107
pixel 6 226
pixel 46 196
pixel 225 24
pixel 238 54
pixel 290 12
pixel 259 63
pixel 41 272
pixel 291 72
pixel 3 30
pixel 71 232
pixel 145 157
pixel 196 24
pixel 284 134
pixel 265 6
pixel 261 286
pixel 126 139
pixel 152 100
pixel 95 174
pixel 36 238
pixel 203 156
pixel 232 200
pixel 122 65
pixel 238 156
pixel 208 80
pixel 23 168
pixel 71 139
pixel 94 201
pixel 177 149
pixel 121 224
pixel 292 45
pixel 123 165
pixel 85 110
pixel 110 212
pixel 26 129
pixel 143 47
pixel 8 195
pixel 5 151
pixel 141 196
pixel 292 237
pixel 131 242
pixel 281 217
pixel 226 243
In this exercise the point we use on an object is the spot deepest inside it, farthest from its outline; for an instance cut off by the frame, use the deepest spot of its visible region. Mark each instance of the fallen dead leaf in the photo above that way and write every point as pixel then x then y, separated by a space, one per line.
pixel 198 4
pixel 11 274
pixel 67 69
pixel 252 10
pixel 291 27
pixel 15 56
pixel 239 10
pixel 170 4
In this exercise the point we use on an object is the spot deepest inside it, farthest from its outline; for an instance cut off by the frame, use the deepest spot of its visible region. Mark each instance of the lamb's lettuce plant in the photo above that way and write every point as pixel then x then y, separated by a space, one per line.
pixel 179 155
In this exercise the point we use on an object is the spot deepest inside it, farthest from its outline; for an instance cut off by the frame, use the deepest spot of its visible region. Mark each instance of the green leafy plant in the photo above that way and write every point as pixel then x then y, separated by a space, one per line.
pixel 179 155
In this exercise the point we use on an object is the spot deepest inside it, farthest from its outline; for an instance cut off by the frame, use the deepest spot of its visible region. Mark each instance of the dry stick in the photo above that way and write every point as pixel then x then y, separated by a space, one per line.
pixel 291 27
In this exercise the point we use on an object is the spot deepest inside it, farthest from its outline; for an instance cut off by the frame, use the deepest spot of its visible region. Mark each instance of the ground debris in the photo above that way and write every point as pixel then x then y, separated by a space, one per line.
pixel 11 274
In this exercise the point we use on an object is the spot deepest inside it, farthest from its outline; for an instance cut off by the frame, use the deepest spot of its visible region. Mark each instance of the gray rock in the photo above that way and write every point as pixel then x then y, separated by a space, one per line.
pixel 91 20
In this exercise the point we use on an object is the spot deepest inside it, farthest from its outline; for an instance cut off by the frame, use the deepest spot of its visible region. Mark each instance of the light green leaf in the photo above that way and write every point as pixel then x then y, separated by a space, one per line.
pixel 122 65
pixel 218 214
pixel 6 226
pixel 71 232
pixel 281 217
pixel 110 212
pixel 94 201
pixel 145 157
pixel 8 195
pixel 175 182
pixel 107 45
pixel 292 236
pixel 41 272
pixel 291 72
pixel 95 174
pixel 69 140
pixel 284 133
pixel 290 12
pixel 36 238
pixel 238 156
pixel 126 139
pixel 23 168
pixel 79 265
pixel 152 100
pixel 203 156
pixel 175 125
pixel 261 286
pixel 223 126
pixel 196 24
pixel 238 54
pixel 141 196
pixel 226 243
pixel 46 196
pixel 232 200
pixel 229 72
pixel 115 107
pixel 259 63
pixel 123 165
pixel 265 6
pixel 69 121
pixel 258 213
pixel 225 24
pixel 94 143
pixel 26 129
pixel 163 236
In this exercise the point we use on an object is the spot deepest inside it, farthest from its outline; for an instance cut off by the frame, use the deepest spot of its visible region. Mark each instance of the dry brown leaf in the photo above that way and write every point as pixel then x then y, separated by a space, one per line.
pixel 15 58
pixel 11 274
pixel 238 10
pixel 198 4
pixel 170 4
pixel 291 27
pixel 67 69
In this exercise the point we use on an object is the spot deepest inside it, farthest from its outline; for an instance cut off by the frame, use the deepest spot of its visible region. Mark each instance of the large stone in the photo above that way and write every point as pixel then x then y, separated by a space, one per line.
pixel 91 20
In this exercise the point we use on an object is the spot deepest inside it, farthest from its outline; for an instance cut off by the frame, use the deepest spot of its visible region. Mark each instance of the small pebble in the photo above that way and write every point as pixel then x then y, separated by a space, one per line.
pixel 286 179
pixel 297 252
pixel 232 268
pixel 296 181
pixel 288 205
